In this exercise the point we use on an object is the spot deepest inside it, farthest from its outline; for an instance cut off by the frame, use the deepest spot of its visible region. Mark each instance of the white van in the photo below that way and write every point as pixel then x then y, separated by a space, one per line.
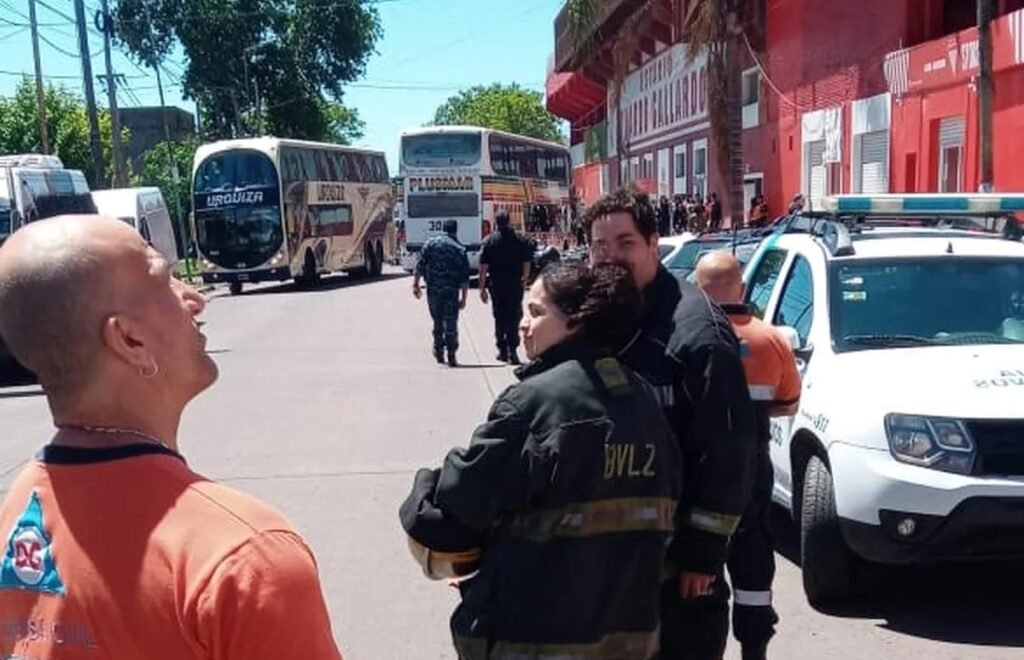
pixel 34 187
pixel 146 211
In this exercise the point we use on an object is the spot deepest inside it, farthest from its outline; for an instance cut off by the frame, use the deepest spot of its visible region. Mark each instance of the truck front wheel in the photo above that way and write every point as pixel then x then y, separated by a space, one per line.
pixel 829 567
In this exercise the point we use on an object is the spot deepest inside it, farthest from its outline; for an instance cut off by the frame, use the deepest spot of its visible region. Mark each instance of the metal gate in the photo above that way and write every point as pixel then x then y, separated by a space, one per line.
pixel 951 132
pixel 951 153
pixel 817 175
pixel 874 162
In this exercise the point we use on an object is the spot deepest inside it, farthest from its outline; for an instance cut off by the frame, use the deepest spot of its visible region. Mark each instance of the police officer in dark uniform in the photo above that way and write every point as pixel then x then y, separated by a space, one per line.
pixel 560 509
pixel 444 265
pixel 687 349
pixel 505 260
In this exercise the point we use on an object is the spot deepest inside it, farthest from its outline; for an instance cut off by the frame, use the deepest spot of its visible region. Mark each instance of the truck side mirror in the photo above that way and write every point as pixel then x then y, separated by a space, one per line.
pixel 791 336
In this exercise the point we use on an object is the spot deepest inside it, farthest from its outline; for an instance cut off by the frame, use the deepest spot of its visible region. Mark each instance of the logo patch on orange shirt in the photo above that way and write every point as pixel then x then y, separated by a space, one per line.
pixel 28 561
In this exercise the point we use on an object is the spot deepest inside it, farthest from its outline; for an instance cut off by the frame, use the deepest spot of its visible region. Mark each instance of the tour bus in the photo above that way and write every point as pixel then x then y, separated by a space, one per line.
pixel 469 174
pixel 34 187
pixel 272 209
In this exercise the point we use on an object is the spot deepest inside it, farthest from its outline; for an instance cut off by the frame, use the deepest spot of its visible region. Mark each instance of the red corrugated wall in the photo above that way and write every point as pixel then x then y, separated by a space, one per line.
pixel 819 55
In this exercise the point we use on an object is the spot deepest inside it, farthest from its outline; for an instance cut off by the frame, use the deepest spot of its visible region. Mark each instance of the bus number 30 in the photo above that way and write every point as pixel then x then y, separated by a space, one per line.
pixel 435 225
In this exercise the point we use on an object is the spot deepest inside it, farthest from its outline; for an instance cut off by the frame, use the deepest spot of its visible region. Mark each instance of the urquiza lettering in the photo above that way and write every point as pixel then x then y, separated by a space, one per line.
pixel 243 197
pixel 331 192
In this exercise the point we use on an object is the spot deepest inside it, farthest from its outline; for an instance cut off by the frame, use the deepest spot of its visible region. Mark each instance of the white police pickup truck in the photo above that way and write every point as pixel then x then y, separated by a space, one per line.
pixel 908 446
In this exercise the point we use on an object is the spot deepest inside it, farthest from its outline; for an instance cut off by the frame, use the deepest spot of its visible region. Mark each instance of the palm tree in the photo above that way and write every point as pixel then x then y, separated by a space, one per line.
pixel 714 26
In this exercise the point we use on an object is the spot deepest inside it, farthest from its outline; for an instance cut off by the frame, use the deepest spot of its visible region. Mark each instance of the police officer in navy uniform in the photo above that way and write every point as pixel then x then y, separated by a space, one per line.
pixel 444 264
pixel 560 509
pixel 505 260
pixel 687 349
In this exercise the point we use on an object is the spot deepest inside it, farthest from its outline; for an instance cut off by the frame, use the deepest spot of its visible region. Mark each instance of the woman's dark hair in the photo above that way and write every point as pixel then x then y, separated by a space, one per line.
pixel 601 302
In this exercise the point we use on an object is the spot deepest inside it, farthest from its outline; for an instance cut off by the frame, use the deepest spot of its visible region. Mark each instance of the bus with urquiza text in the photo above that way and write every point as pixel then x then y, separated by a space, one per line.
pixel 273 209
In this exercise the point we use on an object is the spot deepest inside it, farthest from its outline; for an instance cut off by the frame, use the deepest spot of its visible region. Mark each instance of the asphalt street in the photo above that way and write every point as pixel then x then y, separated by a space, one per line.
pixel 329 400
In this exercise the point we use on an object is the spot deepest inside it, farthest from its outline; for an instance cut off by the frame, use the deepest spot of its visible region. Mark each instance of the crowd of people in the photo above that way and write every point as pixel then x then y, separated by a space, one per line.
pixel 593 514
pixel 689 213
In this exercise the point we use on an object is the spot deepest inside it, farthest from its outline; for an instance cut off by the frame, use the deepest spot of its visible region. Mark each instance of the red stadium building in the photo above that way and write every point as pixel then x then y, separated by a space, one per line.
pixel 872 96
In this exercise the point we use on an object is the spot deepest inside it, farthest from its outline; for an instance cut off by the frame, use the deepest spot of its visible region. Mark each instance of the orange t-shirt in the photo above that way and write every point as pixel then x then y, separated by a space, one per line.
pixel 768 360
pixel 125 553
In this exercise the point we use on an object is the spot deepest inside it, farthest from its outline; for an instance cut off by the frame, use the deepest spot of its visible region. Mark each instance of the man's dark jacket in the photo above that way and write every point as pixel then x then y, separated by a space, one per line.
pixel 688 351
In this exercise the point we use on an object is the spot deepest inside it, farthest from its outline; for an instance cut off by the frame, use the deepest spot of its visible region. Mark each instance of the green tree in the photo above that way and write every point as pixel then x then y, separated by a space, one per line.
pixel 67 127
pixel 502 107
pixel 344 125
pixel 297 53
pixel 156 171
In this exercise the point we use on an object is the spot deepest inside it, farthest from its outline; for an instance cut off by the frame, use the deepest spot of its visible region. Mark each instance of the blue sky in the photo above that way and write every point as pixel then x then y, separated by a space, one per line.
pixel 430 50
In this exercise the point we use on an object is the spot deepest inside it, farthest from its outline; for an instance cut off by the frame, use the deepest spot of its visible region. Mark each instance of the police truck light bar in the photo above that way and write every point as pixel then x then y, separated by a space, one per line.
pixel 925 204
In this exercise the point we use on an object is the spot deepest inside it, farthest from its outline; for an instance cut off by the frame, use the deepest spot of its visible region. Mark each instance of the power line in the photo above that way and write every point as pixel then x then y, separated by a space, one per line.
pixel 9 7
pixel 62 32
pixel 326 4
pixel 67 53
pixel 53 9
pixel 21 74
pixel 477 32
pixel 5 21
pixel 58 48
pixel 17 32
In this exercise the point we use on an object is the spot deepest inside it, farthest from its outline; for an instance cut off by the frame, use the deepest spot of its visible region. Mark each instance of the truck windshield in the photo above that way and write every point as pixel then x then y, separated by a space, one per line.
pixel 928 301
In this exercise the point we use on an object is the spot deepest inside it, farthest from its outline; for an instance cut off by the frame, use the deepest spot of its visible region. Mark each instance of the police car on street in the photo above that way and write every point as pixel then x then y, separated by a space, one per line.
pixel 908 447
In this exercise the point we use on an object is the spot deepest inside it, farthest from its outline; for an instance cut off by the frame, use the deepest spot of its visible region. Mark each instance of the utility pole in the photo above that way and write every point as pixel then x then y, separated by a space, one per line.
pixel 985 92
pixel 107 25
pixel 90 96
pixel 238 115
pixel 40 92
pixel 259 108
pixel 175 179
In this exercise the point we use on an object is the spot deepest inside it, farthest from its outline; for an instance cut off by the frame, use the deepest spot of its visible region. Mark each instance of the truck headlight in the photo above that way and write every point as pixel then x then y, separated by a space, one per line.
pixel 935 442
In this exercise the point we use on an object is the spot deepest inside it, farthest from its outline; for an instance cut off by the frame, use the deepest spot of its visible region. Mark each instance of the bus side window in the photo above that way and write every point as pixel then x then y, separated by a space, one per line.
pixel 144 230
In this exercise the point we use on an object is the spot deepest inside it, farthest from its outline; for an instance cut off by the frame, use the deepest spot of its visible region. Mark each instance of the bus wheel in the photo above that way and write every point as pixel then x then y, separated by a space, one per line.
pixel 310 277
pixel 235 288
pixel 366 270
pixel 380 258
pixel 373 264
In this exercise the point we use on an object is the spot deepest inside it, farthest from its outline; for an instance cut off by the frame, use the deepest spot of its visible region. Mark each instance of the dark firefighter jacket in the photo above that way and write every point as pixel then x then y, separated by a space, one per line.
pixel 569 489
pixel 687 350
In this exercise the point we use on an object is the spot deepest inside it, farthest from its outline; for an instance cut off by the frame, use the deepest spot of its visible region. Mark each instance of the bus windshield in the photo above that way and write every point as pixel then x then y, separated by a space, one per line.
pixel 441 205
pixel 238 209
pixel 441 150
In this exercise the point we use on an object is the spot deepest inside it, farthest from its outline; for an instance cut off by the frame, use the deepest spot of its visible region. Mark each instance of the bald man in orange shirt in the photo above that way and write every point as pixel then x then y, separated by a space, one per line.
pixel 114 548
pixel 774 382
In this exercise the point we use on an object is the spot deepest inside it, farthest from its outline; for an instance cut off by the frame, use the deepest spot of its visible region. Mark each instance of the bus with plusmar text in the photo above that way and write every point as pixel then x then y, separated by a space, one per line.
pixel 273 209
pixel 470 174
